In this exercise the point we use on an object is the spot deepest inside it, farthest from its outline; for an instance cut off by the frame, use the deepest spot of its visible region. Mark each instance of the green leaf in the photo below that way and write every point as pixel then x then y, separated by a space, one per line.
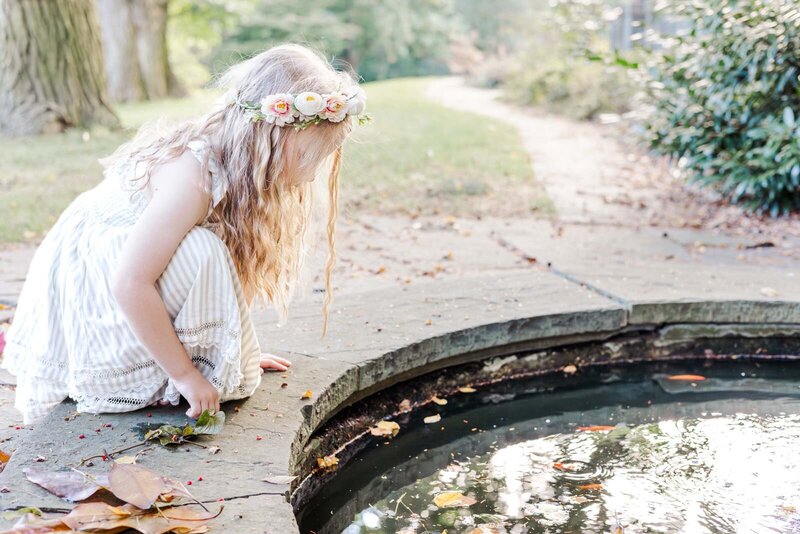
pixel 209 424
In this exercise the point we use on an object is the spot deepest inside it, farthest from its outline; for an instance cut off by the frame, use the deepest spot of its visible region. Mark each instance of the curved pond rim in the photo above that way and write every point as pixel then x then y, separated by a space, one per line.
pixel 341 434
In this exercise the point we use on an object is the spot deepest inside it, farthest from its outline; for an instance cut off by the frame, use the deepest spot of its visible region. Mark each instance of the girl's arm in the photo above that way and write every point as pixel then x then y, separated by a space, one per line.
pixel 177 205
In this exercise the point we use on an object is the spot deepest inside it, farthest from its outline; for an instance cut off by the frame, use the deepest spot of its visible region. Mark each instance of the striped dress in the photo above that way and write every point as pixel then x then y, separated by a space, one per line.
pixel 69 338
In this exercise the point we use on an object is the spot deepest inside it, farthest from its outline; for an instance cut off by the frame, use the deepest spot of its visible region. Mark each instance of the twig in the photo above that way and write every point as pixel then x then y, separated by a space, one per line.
pixel 110 454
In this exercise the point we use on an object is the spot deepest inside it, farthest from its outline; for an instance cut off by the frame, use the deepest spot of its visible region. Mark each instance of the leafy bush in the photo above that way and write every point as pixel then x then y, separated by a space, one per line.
pixel 724 99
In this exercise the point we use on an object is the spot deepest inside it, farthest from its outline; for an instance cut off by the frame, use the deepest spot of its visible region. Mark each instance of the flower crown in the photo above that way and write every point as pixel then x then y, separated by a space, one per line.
pixel 306 108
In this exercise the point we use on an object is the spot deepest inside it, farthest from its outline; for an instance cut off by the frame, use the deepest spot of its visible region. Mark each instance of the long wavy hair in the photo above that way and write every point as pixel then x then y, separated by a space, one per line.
pixel 268 170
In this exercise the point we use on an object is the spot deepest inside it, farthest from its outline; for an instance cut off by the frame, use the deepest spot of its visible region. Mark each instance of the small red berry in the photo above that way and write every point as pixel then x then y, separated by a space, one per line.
pixel 105 458
pixel 199 479
pixel 18 428
pixel 81 436
pixel 97 430
pixel 259 438
pixel 149 415
pixel 221 499
pixel 188 482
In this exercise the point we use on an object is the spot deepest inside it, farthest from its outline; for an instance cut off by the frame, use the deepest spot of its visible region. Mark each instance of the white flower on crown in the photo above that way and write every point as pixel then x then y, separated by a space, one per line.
pixel 335 107
pixel 357 100
pixel 278 108
pixel 309 103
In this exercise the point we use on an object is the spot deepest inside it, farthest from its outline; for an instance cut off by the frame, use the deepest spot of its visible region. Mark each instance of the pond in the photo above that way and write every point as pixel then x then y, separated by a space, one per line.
pixel 629 449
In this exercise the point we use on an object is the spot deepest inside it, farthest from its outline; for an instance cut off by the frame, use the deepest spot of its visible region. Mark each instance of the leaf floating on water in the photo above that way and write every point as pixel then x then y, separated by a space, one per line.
pixel 563 467
pixel 437 400
pixel 433 418
pixel 385 428
pixel 467 389
pixel 570 369
pixel 596 428
pixel 327 461
pixel 585 487
pixel 449 499
pixel 693 378
pixel 70 485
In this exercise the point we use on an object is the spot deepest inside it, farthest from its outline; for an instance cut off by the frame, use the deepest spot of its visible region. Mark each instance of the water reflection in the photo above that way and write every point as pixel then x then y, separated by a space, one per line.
pixel 678 460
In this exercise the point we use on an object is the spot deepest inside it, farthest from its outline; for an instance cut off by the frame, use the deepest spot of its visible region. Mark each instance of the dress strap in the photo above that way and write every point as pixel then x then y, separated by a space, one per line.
pixel 199 147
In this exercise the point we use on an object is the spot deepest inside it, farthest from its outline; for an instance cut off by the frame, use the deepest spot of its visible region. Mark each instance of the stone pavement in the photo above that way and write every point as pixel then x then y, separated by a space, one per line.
pixel 415 295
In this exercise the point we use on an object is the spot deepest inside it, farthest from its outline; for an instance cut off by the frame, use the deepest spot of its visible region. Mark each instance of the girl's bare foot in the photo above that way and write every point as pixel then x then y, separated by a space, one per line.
pixel 271 361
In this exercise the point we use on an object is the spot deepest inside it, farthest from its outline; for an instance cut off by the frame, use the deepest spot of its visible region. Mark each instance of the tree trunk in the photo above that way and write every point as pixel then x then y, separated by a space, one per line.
pixel 135 42
pixel 51 67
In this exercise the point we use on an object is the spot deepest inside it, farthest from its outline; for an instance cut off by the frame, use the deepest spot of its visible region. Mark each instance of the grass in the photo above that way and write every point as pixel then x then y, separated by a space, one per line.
pixel 415 157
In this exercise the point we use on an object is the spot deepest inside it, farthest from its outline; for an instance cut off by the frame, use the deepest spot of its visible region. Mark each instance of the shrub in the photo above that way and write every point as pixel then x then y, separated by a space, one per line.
pixel 724 99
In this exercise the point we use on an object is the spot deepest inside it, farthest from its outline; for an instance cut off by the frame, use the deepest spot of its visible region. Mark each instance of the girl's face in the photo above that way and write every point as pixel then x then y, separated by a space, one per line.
pixel 297 154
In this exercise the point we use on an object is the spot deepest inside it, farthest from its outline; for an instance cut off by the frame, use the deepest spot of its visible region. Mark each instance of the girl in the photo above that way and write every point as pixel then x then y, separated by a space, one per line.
pixel 141 291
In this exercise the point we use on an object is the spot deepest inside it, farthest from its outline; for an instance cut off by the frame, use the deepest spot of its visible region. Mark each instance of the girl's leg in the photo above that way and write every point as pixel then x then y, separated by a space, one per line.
pixel 204 298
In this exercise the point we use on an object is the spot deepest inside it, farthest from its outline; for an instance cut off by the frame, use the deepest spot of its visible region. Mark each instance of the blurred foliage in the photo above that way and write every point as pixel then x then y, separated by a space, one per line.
pixel 724 100
pixel 567 65
pixel 379 38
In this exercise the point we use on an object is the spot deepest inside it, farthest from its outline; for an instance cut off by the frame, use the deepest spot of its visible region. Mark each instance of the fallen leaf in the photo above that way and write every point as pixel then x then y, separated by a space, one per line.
pixel 562 467
pixel 590 487
pixel 126 460
pixel 136 485
pixel 71 485
pixel 4 458
pixel 437 400
pixel 570 369
pixel 279 479
pixel 433 418
pixel 327 461
pixel 13 514
pixel 467 389
pixel 692 378
pixel 596 428
pixel 99 516
pixel 209 423
pixel 769 292
pixel 385 428
pixel 307 394
pixel 448 499
pixel 214 449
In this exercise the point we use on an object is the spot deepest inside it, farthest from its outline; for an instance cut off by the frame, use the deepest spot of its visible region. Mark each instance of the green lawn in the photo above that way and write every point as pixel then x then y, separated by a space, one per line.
pixel 415 157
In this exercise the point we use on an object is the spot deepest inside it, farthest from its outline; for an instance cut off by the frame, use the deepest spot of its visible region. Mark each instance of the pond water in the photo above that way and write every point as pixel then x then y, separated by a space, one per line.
pixel 619 450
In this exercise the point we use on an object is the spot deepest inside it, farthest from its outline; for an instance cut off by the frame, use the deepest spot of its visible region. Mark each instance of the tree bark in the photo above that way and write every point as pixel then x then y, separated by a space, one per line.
pixel 51 67
pixel 135 42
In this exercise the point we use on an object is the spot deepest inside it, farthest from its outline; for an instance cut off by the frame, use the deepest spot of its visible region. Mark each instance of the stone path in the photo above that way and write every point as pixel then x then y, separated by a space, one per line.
pixel 411 294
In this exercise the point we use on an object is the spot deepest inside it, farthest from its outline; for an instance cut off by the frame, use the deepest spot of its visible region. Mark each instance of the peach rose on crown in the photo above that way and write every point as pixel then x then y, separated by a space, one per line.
pixel 306 108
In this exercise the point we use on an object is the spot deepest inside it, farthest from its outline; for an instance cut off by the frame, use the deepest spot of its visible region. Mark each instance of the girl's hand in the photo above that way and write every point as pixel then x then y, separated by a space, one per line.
pixel 270 361
pixel 199 392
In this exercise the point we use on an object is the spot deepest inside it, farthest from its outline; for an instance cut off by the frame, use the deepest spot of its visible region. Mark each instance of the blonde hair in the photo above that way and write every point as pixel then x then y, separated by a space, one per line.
pixel 264 216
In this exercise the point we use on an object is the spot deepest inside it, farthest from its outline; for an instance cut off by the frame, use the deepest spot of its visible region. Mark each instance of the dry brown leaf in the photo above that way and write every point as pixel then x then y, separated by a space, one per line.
pixel 136 485
pixel 70 485
pixel 433 418
pixel 327 461
pixel 448 499
pixel 437 400
pixel 385 428
pixel 99 516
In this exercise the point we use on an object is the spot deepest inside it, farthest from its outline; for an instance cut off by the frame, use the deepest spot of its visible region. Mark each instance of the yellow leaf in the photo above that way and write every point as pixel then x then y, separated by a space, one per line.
pixel 433 418
pixel 437 400
pixel 448 499
pixel 570 369
pixel 467 389
pixel 327 461
pixel 385 428
pixel 307 394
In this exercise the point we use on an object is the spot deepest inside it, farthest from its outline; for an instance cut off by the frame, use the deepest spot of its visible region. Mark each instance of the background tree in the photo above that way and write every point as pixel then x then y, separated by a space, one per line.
pixel 134 35
pixel 51 67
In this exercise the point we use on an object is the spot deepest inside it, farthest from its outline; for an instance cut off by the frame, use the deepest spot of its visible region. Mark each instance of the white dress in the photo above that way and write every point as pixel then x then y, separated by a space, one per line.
pixel 69 338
